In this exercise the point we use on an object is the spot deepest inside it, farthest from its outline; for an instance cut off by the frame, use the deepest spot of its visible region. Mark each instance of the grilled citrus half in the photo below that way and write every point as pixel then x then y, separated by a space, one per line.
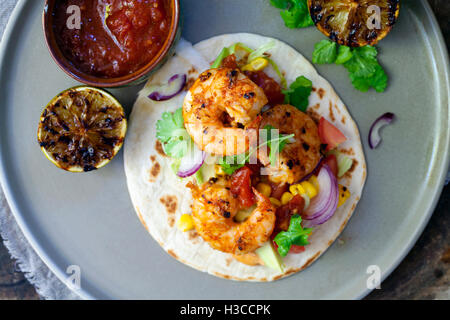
pixel 82 129
pixel 354 23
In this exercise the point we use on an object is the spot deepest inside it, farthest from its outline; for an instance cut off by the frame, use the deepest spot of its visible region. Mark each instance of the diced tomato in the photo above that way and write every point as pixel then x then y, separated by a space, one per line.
pixel 297 249
pixel 255 168
pixel 256 176
pixel 278 190
pixel 330 135
pixel 241 186
pixel 331 161
pixel 285 212
pixel 270 87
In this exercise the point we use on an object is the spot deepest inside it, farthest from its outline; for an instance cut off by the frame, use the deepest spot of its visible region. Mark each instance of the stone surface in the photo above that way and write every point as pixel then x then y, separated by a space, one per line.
pixel 423 274
pixel 13 284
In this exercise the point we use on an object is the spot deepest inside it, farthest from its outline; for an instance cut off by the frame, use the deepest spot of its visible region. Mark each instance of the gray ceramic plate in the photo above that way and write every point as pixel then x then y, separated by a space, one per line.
pixel 87 219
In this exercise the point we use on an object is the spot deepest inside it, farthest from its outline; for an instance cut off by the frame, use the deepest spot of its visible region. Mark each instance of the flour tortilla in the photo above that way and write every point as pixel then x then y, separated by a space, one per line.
pixel 160 198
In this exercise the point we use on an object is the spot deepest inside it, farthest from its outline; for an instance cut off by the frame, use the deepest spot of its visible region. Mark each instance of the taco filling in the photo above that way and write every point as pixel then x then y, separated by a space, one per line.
pixel 264 167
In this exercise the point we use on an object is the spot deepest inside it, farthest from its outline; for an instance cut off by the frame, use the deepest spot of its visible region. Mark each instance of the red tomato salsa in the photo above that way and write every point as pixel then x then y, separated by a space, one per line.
pixel 116 38
pixel 241 186
pixel 270 87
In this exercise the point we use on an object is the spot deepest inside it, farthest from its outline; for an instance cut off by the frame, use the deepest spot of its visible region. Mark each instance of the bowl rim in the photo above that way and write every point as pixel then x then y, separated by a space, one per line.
pixel 90 80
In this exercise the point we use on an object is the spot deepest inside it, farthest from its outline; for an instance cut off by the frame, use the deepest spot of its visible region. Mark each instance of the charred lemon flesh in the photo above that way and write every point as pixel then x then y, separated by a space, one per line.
pixel 82 129
pixel 354 23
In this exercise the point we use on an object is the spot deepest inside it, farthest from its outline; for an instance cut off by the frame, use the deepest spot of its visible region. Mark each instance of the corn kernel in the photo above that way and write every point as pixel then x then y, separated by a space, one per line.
pixel 264 189
pixel 275 202
pixel 219 170
pixel 297 189
pixel 313 180
pixel 344 194
pixel 293 189
pixel 309 188
pixel 185 223
pixel 259 64
pixel 286 197
pixel 256 65
pixel 247 67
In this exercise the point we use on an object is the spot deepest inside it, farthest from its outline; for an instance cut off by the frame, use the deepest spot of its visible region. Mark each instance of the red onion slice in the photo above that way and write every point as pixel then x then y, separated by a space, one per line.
pixel 191 162
pixel 374 133
pixel 173 87
pixel 324 205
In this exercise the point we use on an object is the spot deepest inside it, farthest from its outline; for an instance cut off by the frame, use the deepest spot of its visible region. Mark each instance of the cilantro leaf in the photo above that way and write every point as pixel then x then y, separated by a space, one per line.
pixel 280 4
pixel 298 93
pixel 378 81
pixel 324 52
pixel 296 234
pixel 171 133
pixel 169 123
pixel 176 147
pixel 364 70
pixel 344 54
pixel 295 13
pixel 230 164
pixel 363 62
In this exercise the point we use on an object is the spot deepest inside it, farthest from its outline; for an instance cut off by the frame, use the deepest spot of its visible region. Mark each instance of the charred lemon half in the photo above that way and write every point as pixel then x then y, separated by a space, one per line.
pixel 354 23
pixel 82 129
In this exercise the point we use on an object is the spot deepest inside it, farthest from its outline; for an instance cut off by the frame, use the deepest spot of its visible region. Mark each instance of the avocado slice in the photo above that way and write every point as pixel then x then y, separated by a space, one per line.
pixel 269 255
pixel 208 171
pixel 242 215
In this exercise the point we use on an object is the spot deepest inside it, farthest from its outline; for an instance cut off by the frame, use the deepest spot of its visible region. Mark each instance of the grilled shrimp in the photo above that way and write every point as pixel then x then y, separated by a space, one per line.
pixel 213 211
pixel 299 158
pixel 220 111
